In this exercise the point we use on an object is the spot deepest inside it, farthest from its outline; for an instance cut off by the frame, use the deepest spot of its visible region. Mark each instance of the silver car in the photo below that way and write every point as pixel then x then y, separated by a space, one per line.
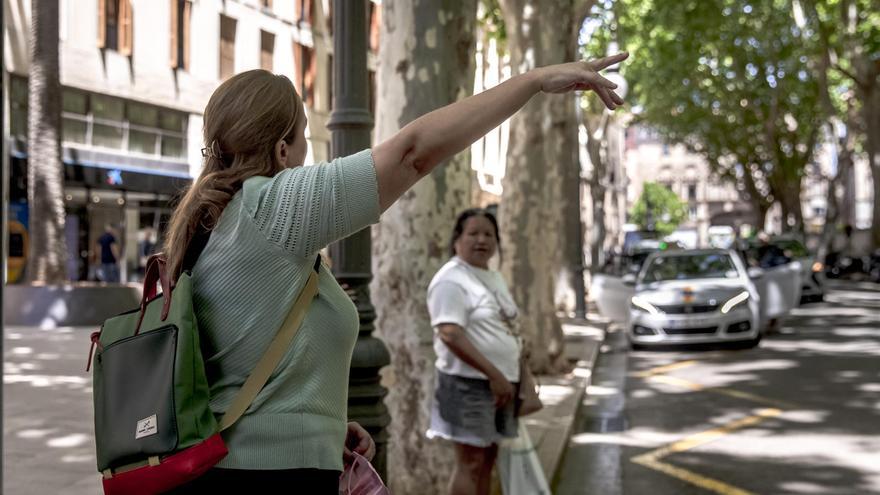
pixel 694 296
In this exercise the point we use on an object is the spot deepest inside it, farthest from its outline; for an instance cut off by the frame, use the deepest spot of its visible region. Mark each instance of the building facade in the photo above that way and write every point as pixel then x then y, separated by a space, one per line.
pixel 710 202
pixel 136 76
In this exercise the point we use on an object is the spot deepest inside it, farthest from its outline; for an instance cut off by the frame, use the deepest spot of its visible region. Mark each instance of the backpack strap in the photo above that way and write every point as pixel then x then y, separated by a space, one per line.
pixel 279 346
pixel 194 250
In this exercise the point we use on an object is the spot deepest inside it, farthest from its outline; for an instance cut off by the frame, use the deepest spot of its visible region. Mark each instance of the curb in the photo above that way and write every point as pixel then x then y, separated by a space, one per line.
pixel 551 427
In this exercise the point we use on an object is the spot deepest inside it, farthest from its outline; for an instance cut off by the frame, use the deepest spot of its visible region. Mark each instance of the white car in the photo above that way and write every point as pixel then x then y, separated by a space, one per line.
pixel 694 296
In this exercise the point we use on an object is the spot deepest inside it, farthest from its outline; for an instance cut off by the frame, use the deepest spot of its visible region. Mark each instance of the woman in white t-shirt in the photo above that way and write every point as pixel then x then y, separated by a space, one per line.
pixel 477 353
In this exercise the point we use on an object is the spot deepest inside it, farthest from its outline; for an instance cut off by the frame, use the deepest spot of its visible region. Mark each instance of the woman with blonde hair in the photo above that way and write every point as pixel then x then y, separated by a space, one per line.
pixel 259 219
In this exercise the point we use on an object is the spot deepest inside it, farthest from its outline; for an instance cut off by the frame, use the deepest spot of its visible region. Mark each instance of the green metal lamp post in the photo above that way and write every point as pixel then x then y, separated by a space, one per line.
pixel 350 124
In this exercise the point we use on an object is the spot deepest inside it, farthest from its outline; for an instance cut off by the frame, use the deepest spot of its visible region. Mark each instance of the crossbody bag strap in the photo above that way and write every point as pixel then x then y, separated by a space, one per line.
pixel 280 344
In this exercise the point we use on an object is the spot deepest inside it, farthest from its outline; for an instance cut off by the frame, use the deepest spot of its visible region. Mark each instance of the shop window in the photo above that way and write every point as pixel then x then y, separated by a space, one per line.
pixel 180 29
pixel 267 50
pixel 227 46
pixel 115 26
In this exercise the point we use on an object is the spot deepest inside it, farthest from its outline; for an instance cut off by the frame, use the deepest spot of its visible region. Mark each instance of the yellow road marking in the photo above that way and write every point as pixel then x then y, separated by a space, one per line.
pixel 652 459
pixel 678 382
pixel 663 369
pixel 696 387
pixel 709 484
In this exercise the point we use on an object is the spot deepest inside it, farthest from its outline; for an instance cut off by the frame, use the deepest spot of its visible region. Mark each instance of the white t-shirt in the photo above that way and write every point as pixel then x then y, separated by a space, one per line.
pixel 475 300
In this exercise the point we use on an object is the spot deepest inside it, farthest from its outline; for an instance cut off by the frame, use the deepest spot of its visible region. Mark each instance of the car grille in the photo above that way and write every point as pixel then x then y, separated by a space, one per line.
pixel 686 309
pixel 691 331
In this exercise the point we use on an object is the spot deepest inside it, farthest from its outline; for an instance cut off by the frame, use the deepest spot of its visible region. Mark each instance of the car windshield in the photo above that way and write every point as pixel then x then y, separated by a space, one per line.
pixel 689 267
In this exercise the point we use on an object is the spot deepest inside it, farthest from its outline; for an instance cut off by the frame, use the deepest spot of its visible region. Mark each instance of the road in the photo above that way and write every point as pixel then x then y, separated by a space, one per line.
pixel 800 414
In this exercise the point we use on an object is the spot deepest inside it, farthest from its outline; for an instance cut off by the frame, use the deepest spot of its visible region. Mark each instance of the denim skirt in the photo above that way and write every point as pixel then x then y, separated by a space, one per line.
pixel 463 411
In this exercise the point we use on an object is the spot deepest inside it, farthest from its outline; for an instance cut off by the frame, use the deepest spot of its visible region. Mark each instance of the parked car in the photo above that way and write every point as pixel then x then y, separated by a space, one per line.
pixel 694 296
pixel 607 289
pixel 812 270
pixel 782 284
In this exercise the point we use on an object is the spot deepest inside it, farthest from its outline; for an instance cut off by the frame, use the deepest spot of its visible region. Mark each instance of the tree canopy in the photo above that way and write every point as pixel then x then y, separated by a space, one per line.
pixel 731 80
pixel 658 209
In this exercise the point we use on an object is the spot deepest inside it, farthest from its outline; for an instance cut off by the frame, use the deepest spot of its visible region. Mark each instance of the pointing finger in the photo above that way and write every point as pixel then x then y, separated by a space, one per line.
pixel 607 61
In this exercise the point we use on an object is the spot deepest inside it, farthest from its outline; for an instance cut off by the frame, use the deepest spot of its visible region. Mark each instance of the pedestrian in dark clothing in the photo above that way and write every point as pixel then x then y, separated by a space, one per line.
pixel 108 270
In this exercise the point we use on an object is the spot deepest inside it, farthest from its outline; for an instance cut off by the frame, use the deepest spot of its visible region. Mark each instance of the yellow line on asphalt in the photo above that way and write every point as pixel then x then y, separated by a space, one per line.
pixel 680 382
pixel 752 397
pixel 665 368
pixel 652 459
pixel 709 484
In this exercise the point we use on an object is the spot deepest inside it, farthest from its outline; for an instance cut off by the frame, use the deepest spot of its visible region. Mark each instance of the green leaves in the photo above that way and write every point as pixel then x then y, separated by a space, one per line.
pixel 730 78
pixel 659 209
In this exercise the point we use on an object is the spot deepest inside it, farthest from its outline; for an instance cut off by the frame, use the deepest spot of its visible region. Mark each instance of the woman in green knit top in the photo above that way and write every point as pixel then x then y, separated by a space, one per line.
pixel 268 218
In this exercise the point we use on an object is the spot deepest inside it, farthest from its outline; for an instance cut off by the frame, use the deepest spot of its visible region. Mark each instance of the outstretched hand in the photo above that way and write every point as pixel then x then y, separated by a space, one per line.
pixel 583 75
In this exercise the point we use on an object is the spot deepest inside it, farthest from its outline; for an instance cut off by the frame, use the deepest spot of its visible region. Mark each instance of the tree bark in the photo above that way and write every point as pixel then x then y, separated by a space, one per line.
pixel 47 258
pixel 597 190
pixel 426 62
pixel 535 202
pixel 871 118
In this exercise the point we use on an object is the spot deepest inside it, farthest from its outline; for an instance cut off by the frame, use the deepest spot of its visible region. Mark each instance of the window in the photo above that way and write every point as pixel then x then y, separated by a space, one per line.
pixel 115 26
pixel 179 39
pixel 108 129
pixel 74 120
pixel 101 121
pixel 227 46
pixel 302 11
pixel 304 79
pixel 692 192
pixel 267 50
pixel 692 213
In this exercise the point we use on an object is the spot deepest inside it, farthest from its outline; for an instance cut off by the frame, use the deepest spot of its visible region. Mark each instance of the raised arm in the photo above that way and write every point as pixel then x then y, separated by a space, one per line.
pixel 416 149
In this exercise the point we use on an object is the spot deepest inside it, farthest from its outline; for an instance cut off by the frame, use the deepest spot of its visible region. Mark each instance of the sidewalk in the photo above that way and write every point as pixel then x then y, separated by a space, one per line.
pixel 47 425
pixel 551 427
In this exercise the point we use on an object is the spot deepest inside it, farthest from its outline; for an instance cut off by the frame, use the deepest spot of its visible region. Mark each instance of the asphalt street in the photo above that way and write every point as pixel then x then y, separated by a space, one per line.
pixel 800 414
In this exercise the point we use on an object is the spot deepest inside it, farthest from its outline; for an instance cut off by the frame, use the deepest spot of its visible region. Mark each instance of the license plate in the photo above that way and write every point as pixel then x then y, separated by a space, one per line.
pixel 690 323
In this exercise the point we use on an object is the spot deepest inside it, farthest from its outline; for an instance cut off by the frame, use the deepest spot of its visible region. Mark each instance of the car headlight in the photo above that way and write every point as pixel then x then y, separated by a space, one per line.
pixel 734 301
pixel 639 303
pixel 818 266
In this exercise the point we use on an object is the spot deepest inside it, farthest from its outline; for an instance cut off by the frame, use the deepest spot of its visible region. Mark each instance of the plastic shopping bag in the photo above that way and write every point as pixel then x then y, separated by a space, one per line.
pixel 359 478
pixel 519 467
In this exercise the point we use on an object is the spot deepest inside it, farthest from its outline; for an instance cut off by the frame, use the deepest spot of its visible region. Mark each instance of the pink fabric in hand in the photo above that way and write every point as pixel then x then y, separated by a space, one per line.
pixel 359 478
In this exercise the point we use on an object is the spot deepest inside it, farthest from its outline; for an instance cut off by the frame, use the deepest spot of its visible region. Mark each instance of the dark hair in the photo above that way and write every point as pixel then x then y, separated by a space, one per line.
pixel 463 217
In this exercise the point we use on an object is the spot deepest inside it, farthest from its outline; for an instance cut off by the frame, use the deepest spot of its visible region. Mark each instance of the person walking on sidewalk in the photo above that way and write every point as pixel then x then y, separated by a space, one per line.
pixel 267 218
pixel 472 313
pixel 108 250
